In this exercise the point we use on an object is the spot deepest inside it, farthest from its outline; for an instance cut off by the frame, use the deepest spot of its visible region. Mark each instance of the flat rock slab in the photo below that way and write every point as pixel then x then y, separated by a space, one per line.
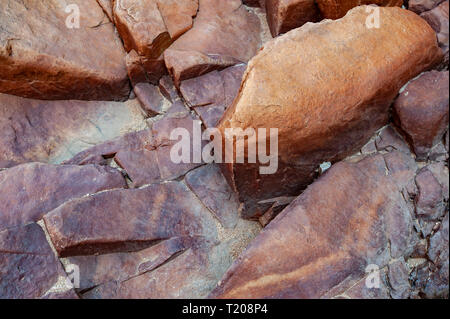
pixel 352 216
pixel 29 191
pixel 54 131
pixel 28 267
pixel 40 57
pixel 421 111
pixel 297 102
pixel 223 31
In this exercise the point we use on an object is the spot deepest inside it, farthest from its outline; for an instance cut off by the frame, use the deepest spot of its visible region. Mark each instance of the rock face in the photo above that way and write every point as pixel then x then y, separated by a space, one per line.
pixel 335 9
pixel 285 15
pixel 54 131
pixel 29 191
pixel 24 254
pixel 224 34
pixel 438 19
pixel 298 102
pixel 41 57
pixel 421 111
pixel 419 6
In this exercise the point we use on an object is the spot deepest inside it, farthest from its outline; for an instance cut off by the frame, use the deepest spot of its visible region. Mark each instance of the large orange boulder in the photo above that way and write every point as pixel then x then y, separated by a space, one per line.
pixel 342 79
pixel 43 52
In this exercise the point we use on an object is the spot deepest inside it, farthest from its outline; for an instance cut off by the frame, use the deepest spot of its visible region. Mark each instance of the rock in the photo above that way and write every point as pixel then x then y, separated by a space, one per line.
pixel 135 68
pixel 28 267
pixel 150 98
pixel 285 15
pixel 224 33
pixel 208 183
pixel 107 6
pixel 399 280
pixel 54 131
pixel 211 94
pixel 329 256
pixel 438 19
pixel 42 58
pixel 177 15
pixel 389 140
pixel 29 191
pixel 335 9
pixel 421 111
pixel 297 102
pixel 168 89
pixel 419 6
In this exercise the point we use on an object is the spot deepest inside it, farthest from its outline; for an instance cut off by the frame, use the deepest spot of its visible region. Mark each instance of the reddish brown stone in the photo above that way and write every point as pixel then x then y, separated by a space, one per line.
pixel 177 15
pixel 285 15
pixel 40 57
pixel 421 111
pixel 29 191
pixel 54 131
pixel 135 68
pixel 28 267
pixel 150 98
pixel 107 6
pixel 168 89
pixel 335 9
pixel 272 97
pixel 224 32
pixel 339 225
pixel 389 140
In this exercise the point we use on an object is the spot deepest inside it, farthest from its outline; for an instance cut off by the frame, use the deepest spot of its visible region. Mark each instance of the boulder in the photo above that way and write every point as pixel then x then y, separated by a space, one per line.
pixel 352 217
pixel 419 6
pixel 335 9
pixel 285 15
pixel 29 191
pixel 323 67
pixel 421 111
pixel 54 131
pixel 28 267
pixel 41 57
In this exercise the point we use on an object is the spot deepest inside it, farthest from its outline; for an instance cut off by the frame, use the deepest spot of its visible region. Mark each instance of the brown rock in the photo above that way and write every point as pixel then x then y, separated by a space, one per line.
pixel 54 131
pixel 321 224
pixel 224 33
pixel 168 89
pixel 150 98
pixel 135 68
pixel 40 57
pixel 270 97
pixel 421 111
pixel 419 6
pixel 208 183
pixel 285 15
pixel 389 140
pixel 177 15
pixel 335 9
pixel 123 220
pixel 29 191
pixel 438 19
pixel 28 267
pixel 107 6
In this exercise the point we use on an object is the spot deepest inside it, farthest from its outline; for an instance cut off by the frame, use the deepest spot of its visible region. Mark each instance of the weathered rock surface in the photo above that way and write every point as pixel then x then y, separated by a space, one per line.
pixel 40 57
pixel 28 267
pixel 335 9
pixel 29 191
pixel 419 6
pixel 107 6
pixel 298 102
pixel 145 155
pixel 438 19
pixel 150 97
pixel 224 33
pixel 421 111
pixel 285 15
pixel 54 131
pixel 211 94
pixel 362 196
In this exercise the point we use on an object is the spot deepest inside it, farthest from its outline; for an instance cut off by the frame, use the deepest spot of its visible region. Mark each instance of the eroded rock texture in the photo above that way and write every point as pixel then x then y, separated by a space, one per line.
pixel 357 216
pixel 298 102
pixel 54 131
pixel 335 9
pixel 43 53
pixel 421 111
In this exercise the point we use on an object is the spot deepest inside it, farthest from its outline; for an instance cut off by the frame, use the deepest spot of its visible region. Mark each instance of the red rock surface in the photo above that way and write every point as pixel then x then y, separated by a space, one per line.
pixel 297 102
pixel 29 191
pixel 42 58
pixel 421 111
pixel 335 9
pixel 285 15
